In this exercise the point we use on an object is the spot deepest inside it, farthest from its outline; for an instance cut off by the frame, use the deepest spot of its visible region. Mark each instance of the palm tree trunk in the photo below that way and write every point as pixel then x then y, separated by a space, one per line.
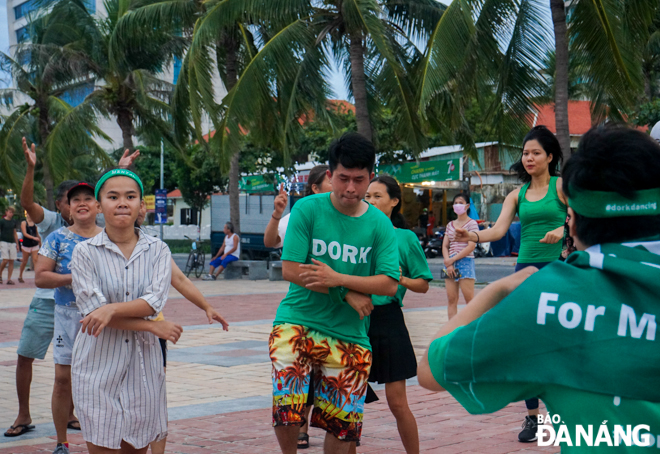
pixel 231 45
pixel 125 122
pixel 561 76
pixel 359 85
pixel 44 131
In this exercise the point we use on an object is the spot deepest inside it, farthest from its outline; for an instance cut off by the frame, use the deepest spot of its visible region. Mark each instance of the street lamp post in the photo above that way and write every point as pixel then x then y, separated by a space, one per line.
pixel 162 180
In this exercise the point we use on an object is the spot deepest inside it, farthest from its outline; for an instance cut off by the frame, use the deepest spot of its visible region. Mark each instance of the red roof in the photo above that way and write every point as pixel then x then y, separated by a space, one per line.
pixel 174 194
pixel 579 117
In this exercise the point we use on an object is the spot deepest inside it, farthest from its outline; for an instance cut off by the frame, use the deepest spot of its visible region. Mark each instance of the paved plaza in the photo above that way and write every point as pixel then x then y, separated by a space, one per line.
pixel 219 385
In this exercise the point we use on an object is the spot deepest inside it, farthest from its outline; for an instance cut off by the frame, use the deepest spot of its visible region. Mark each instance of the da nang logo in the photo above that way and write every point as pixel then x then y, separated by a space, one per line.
pixel 552 431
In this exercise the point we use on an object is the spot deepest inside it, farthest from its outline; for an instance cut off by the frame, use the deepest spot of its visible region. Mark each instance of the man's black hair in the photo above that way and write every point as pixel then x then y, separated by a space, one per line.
pixel 550 145
pixel 614 158
pixel 63 188
pixel 353 151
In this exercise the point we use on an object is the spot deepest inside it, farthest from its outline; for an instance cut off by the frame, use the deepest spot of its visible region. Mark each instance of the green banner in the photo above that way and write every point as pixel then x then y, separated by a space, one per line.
pixel 411 172
pixel 259 183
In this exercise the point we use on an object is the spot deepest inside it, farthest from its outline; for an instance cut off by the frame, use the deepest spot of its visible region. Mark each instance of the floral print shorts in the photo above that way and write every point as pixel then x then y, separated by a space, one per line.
pixel 340 382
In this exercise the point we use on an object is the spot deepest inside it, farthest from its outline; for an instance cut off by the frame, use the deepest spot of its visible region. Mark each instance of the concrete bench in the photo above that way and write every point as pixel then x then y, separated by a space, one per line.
pixel 275 271
pixel 255 270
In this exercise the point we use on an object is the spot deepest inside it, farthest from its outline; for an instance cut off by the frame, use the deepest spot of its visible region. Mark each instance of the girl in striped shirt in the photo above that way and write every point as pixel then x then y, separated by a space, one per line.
pixel 121 278
pixel 459 256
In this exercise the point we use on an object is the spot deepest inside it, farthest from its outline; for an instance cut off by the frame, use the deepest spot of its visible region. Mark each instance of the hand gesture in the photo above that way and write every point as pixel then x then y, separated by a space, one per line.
pixel 167 330
pixel 462 235
pixel 281 201
pixel 553 236
pixel 30 154
pixel 211 314
pixel 360 302
pixel 319 275
pixel 94 323
pixel 127 160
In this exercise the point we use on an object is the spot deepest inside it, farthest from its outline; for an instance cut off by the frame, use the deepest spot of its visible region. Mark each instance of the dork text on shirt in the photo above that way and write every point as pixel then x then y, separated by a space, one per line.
pixel 337 251
pixel 617 435
pixel 570 316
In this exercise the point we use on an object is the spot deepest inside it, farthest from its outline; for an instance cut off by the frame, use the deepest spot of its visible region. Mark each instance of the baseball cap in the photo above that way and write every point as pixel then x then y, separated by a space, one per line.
pixel 82 186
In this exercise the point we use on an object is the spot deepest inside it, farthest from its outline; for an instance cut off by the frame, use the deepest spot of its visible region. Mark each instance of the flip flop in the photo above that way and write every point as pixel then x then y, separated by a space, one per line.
pixel 21 281
pixel 10 282
pixel 71 426
pixel 24 428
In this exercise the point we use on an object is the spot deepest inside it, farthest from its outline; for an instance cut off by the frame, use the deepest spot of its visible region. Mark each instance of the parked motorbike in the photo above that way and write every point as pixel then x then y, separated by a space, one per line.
pixel 483 249
pixel 433 247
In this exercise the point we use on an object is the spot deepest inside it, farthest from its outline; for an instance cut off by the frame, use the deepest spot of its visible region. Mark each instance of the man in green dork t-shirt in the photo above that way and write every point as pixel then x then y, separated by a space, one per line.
pixel 581 335
pixel 338 251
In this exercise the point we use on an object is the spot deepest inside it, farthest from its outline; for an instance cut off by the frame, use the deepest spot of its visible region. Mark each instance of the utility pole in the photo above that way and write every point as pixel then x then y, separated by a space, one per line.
pixel 162 179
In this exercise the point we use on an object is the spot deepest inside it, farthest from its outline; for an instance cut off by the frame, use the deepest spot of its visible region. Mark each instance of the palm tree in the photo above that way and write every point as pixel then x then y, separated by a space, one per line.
pixel 43 72
pixel 125 64
pixel 500 45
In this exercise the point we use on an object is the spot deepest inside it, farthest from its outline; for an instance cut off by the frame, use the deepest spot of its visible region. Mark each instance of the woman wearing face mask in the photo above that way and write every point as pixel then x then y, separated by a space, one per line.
pixel 393 355
pixel 459 256
pixel 541 206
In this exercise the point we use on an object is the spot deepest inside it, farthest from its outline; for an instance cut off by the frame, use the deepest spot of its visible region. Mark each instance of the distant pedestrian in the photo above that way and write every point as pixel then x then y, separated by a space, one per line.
pixel 230 251
pixel 9 245
pixel 459 256
pixel 30 245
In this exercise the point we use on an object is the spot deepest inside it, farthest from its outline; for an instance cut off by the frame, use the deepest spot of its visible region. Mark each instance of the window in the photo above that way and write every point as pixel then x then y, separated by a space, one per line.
pixel 90 5
pixel 177 69
pixel 24 8
pixel 76 96
pixel 189 216
pixel 22 35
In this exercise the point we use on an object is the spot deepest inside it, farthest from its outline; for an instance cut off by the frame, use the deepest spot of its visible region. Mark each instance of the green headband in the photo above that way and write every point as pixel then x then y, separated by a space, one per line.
pixel 117 173
pixel 601 204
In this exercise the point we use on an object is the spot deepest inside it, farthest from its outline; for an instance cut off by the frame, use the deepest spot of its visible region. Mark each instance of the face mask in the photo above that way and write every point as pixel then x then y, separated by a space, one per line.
pixel 460 208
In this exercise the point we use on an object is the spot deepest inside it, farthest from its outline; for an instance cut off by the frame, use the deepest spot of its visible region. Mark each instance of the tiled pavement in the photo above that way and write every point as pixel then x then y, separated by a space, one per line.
pixel 219 383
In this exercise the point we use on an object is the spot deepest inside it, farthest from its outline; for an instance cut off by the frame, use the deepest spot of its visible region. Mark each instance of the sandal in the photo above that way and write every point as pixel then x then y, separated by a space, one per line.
pixel 303 441
pixel 10 282
pixel 24 428
pixel 21 281
pixel 71 426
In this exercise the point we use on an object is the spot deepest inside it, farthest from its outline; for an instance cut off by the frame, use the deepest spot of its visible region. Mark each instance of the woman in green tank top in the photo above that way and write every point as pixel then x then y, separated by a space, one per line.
pixel 541 207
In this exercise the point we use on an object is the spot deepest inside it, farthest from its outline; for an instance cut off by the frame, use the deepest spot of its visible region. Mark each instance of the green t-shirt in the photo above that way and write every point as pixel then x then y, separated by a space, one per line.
pixel 359 246
pixel 574 406
pixel 413 265
pixel 580 335
pixel 7 229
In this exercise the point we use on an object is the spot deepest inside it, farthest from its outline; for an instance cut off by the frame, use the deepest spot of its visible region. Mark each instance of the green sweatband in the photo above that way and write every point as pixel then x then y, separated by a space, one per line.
pixel 601 204
pixel 118 173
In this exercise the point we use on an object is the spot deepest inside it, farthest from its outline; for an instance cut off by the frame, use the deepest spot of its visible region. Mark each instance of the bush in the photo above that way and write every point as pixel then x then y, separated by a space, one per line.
pixel 183 246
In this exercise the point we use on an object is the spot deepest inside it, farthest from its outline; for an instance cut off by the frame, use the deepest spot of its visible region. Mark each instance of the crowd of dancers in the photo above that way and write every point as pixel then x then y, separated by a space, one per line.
pixel 549 331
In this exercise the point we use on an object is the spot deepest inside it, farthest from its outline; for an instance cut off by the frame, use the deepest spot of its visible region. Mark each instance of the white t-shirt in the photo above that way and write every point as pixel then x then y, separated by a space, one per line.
pixel 229 245
pixel 281 230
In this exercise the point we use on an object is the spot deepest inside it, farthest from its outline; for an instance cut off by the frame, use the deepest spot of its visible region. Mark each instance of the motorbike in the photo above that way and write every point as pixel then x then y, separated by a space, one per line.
pixel 483 249
pixel 433 247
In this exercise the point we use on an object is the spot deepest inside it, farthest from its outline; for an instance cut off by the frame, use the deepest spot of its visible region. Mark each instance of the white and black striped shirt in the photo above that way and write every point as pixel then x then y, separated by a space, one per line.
pixel 118 378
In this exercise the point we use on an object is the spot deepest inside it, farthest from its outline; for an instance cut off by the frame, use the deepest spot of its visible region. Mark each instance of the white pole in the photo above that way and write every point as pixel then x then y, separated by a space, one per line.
pixel 162 181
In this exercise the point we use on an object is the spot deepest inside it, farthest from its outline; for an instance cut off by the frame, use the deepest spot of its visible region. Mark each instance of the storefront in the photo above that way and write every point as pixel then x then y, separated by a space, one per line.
pixel 428 184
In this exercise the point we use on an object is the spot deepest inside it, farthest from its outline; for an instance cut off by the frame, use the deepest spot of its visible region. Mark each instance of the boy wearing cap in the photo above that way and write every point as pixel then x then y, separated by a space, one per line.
pixel 53 271
pixel 592 318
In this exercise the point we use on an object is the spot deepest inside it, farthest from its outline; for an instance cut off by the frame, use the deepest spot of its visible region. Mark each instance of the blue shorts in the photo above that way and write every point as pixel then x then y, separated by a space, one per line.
pixel 465 267
pixel 38 327
pixel 223 263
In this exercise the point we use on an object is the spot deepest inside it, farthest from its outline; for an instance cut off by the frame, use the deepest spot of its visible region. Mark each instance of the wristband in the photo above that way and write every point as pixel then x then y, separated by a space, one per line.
pixel 477 237
pixel 273 216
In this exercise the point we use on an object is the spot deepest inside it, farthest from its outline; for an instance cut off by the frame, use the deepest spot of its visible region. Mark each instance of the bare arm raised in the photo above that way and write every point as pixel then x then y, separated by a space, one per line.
pixel 500 228
pixel 35 210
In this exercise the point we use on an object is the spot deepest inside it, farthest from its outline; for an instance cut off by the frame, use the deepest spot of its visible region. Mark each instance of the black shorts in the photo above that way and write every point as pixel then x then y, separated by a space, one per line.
pixel 163 348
